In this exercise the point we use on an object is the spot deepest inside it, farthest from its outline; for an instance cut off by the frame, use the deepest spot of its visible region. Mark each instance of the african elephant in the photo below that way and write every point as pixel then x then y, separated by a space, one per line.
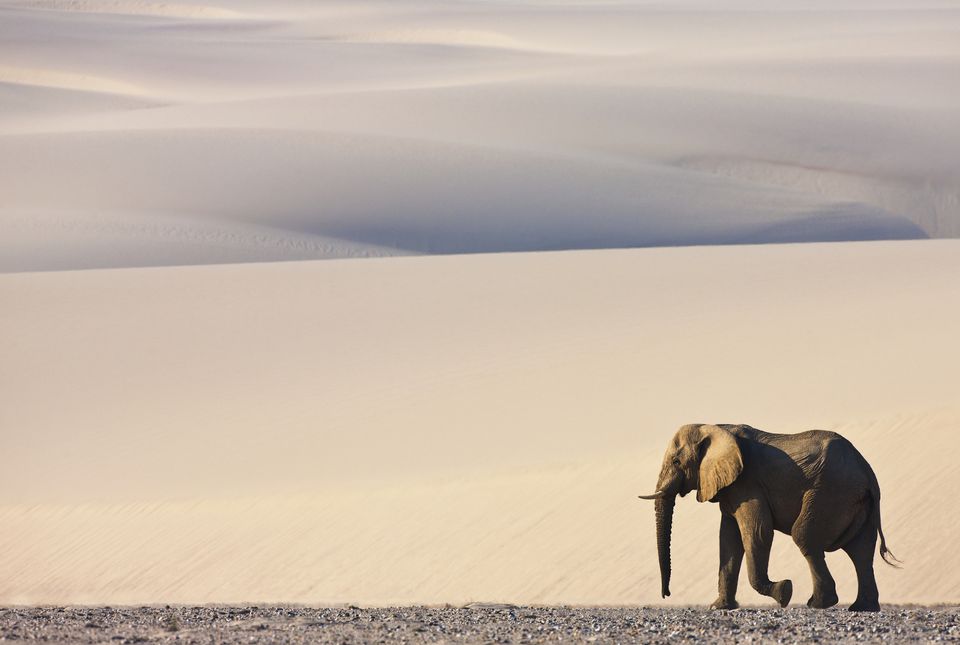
pixel 814 486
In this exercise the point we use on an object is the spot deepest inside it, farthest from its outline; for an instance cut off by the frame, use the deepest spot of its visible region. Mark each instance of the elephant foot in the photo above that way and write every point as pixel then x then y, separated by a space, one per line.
pixel 865 605
pixel 823 600
pixel 723 603
pixel 782 592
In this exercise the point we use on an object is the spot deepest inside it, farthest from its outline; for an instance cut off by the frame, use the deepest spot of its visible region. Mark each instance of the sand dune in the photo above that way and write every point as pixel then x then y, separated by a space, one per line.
pixel 61 240
pixel 454 428
pixel 469 427
pixel 396 194
pixel 435 127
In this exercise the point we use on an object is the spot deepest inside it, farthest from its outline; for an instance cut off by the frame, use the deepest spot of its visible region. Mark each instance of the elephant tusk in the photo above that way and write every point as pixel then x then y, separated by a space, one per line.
pixel 656 495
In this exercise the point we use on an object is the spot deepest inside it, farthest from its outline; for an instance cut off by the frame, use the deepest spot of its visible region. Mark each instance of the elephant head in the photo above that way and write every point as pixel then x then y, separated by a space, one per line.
pixel 702 457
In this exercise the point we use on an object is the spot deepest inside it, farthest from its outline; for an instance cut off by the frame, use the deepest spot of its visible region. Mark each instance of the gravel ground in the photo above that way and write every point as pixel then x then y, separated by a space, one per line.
pixel 475 624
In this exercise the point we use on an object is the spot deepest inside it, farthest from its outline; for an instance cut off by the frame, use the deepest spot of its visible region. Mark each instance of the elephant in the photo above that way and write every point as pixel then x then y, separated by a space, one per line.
pixel 814 486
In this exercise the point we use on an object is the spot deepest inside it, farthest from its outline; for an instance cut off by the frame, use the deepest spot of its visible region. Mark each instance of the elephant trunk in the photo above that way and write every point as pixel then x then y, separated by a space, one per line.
pixel 663 506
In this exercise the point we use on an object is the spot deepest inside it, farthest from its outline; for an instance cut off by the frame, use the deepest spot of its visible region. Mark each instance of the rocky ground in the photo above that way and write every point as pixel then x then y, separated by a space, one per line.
pixel 473 624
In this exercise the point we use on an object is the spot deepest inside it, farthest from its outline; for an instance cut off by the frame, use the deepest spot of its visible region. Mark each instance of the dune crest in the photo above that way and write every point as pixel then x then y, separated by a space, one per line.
pixel 68 80
pixel 132 8
pixel 451 37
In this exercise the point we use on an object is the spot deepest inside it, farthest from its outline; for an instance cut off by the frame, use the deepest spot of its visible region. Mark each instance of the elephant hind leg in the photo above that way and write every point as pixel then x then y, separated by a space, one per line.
pixel 816 528
pixel 861 550
pixel 824 587
pixel 824 523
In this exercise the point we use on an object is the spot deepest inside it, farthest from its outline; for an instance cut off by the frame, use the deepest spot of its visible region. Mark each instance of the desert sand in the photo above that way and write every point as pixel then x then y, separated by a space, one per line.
pixel 459 428
pixel 617 218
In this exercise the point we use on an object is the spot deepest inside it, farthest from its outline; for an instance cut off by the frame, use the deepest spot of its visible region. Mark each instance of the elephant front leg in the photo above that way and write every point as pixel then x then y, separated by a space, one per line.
pixel 731 555
pixel 756 531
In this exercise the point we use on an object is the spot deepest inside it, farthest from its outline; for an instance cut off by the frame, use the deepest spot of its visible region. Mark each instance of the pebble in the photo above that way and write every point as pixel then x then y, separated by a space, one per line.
pixel 476 623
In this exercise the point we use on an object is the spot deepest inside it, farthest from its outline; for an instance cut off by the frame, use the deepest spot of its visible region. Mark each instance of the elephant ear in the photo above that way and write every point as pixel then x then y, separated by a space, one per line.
pixel 721 463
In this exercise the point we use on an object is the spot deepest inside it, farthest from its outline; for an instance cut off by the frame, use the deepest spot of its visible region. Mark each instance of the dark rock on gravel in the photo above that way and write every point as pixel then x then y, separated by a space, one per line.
pixel 477 623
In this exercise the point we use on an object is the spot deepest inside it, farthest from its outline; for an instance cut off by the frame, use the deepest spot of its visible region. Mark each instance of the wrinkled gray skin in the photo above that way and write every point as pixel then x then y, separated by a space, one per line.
pixel 814 486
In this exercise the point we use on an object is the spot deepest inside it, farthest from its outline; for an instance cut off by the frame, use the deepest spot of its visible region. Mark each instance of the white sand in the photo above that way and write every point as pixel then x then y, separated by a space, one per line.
pixel 140 133
pixel 456 428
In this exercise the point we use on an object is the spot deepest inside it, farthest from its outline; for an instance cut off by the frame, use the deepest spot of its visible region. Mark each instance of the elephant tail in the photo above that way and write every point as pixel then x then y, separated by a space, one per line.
pixel 885 554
